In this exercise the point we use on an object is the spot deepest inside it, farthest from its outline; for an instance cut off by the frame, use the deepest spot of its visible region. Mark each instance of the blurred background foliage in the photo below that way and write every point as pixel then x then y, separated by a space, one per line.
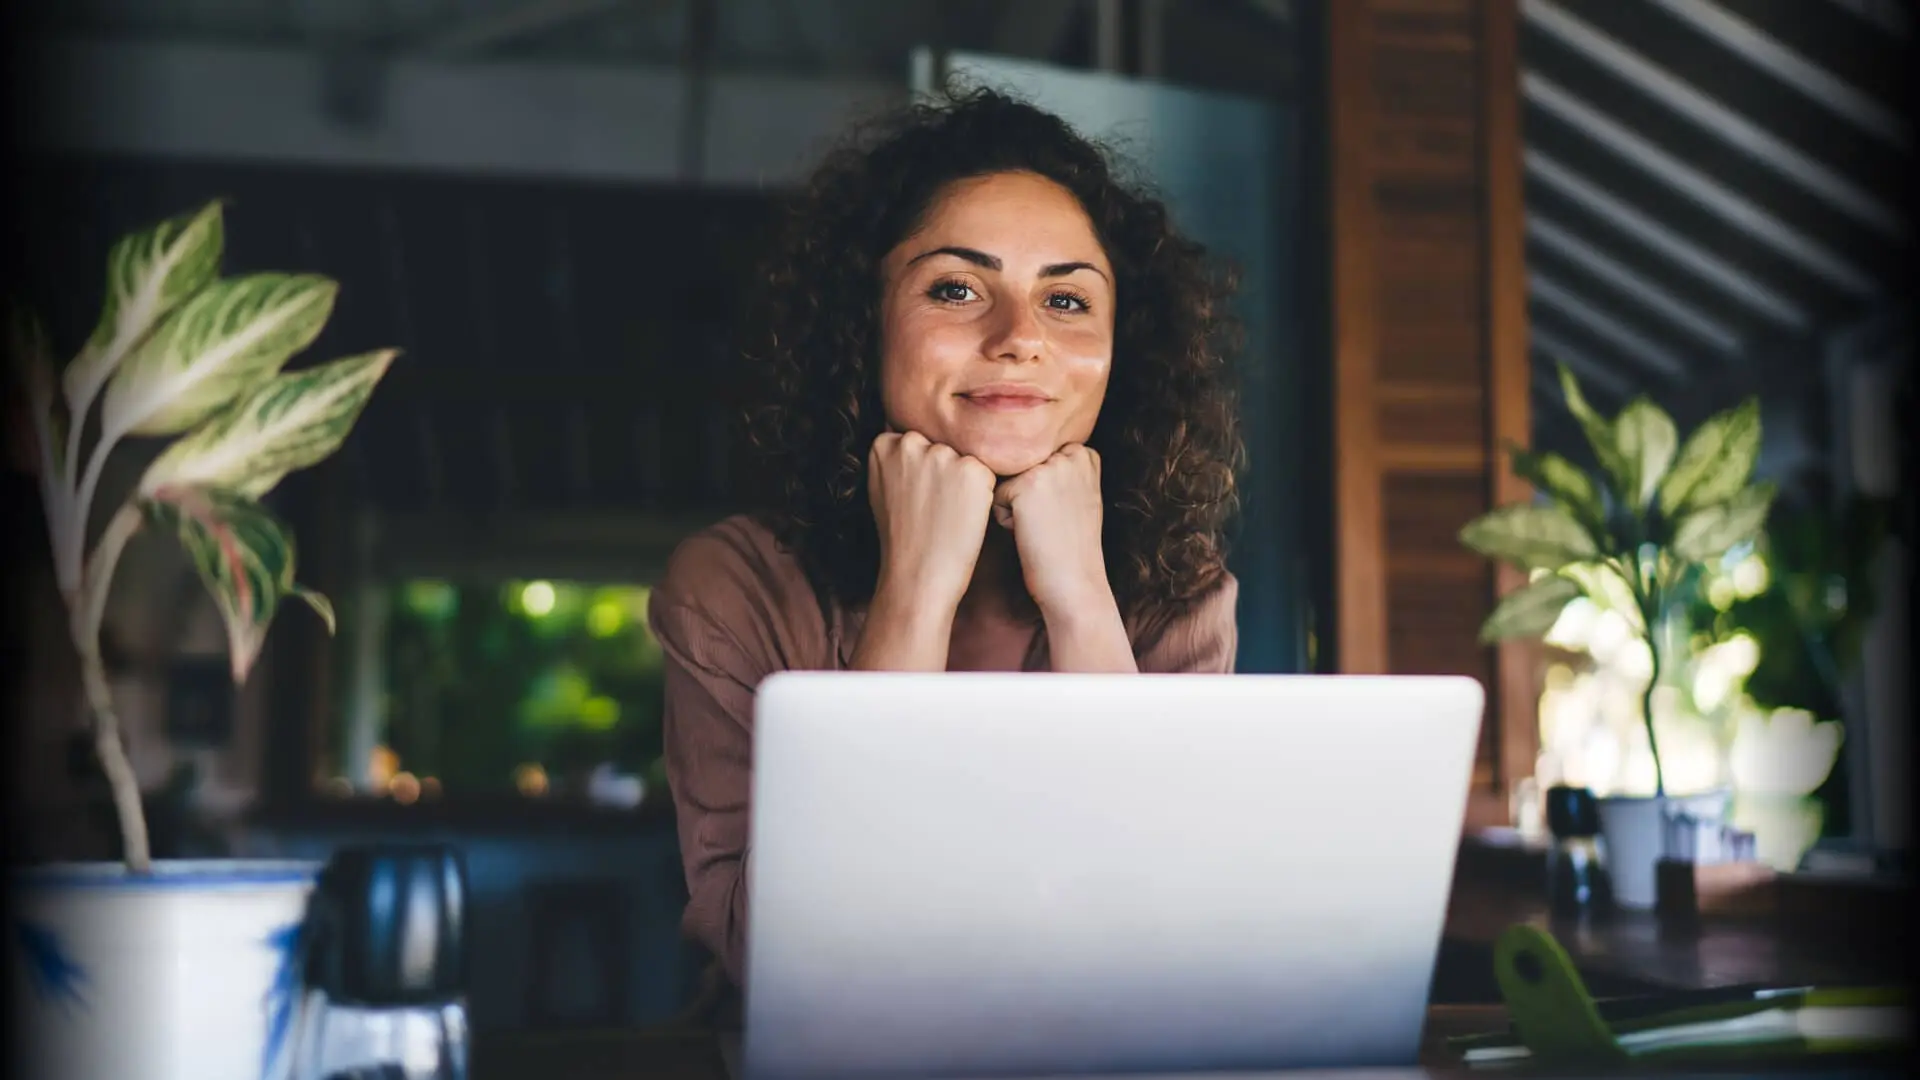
pixel 485 680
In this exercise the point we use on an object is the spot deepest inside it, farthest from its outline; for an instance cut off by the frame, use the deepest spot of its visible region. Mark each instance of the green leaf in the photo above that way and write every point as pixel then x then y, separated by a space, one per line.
pixel 293 420
pixel 1529 611
pixel 1602 584
pixel 321 606
pixel 221 343
pixel 1646 439
pixel 1600 436
pixel 149 273
pixel 1530 537
pixel 245 557
pixel 1564 482
pixel 1708 533
pixel 1716 461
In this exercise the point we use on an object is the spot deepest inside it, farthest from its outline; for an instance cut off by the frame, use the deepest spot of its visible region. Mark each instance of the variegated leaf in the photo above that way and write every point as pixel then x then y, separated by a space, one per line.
pixel 1562 480
pixel 1716 461
pixel 1602 584
pixel 1646 439
pixel 1600 436
pixel 220 344
pixel 245 556
pixel 321 606
pixel 1530 537
pixel 1708 532
pixel 149 273
pixel 289 422
pixel 1529 611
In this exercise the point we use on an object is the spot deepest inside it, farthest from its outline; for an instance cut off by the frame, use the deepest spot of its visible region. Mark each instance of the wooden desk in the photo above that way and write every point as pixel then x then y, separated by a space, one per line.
pixel 695 1055
pixel 1843 941
pixel 1625 953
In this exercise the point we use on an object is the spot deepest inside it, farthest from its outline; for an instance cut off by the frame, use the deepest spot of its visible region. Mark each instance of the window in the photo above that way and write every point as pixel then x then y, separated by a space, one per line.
pixel 546 689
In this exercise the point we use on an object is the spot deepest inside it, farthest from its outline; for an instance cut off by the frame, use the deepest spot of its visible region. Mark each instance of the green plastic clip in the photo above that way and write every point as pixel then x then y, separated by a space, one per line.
pixel 1553 1014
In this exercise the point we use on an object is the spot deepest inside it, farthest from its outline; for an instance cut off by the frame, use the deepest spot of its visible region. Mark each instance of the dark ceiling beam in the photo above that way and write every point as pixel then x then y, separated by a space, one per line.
pixel 1153 38
pixel 1606 325
pixel 1732 281
pixel 1715 119
pixel 1551 236
pixel 1704 191
pixel 1767 53
pixel 1032 28
pixel 1890 17
pixel 496 28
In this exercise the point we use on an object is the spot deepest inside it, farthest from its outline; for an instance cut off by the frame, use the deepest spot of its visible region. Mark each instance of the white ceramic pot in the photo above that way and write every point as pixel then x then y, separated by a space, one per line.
pixel 1633 828
pixel 189 973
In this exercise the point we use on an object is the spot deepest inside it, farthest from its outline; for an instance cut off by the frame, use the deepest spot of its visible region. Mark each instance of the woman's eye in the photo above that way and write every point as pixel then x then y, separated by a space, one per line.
pixel 1066 302
pixel 951 292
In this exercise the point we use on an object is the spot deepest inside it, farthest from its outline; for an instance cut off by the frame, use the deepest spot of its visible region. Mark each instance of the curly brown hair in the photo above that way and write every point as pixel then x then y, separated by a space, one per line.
pixel 1168 433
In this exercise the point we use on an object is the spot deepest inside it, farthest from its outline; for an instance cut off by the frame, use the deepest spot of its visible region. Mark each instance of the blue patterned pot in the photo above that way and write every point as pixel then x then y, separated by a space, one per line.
pixel 191 972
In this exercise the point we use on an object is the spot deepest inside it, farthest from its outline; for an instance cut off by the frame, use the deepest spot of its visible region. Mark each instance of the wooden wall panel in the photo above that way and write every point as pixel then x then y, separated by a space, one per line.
pixel 1432 345
pixel 1360 565
pixel 1509 366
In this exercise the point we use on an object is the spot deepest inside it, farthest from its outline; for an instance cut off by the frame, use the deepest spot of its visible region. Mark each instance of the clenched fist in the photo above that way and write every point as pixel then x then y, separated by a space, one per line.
pixel 1055 511
pixel 931 504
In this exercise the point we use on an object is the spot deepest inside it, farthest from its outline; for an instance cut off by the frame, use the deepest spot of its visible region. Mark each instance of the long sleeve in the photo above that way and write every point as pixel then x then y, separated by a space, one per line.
pixel 730 611
pixel 1201 640
pixel 709 761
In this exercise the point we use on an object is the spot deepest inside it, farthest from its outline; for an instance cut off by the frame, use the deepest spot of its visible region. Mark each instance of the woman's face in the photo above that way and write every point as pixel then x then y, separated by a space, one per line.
pixel 997 322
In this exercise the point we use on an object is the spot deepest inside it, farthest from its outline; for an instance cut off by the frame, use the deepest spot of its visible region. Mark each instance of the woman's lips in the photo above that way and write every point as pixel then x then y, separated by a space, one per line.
pixel 1008 398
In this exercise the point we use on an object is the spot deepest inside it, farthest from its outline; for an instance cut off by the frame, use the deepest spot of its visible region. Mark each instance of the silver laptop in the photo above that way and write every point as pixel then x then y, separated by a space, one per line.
pixel 1033 874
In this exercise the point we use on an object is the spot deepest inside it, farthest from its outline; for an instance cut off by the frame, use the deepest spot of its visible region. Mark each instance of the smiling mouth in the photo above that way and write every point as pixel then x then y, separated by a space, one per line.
pixel 1005 398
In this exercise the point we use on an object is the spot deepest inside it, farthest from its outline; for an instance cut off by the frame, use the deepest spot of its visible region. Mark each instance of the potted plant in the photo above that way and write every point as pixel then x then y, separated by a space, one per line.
pixel 174 969
pixel 1631 534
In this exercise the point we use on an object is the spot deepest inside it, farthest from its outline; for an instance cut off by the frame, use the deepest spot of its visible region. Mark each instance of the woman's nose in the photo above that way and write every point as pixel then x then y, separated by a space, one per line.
pixel 1017 335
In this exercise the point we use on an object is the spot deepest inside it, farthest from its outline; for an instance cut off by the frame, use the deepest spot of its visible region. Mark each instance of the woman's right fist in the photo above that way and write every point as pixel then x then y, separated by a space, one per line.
pixel 931 504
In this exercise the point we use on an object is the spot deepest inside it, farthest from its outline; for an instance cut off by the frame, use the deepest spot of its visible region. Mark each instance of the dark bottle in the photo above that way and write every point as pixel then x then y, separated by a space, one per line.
pixel 1577 878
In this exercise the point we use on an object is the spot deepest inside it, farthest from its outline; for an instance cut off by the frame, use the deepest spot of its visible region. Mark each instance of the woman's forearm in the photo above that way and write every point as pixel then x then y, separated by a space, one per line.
pixel 1089 635
pixel 903 632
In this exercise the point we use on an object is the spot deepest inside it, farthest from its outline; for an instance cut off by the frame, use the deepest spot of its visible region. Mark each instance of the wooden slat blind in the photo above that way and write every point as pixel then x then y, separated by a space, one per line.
pixel 1430 346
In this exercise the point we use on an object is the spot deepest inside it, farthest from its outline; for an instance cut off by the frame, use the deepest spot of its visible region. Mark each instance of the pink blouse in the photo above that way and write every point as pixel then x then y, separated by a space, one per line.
pixel 734 608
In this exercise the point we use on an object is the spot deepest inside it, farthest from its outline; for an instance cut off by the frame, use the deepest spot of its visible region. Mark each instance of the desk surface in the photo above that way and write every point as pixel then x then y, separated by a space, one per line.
pixel 1634 948
pixel 1644 949
pixel 1820 944
pixel 696 1055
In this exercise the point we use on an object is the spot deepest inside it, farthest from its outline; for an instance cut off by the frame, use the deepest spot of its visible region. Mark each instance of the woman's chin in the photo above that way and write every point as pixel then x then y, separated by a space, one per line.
pixel 1007 453
pixel 1010 463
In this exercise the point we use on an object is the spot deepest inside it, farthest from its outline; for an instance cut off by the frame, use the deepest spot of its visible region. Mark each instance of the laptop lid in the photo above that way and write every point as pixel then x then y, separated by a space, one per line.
pixel 989 874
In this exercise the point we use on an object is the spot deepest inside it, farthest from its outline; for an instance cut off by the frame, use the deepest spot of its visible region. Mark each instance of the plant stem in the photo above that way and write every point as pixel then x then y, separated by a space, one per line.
pixel 98 577
pixel 113 761
pixel 1646 713
pixel 83 500
pixel 76 425
pixel 1652 617
pixel 87 618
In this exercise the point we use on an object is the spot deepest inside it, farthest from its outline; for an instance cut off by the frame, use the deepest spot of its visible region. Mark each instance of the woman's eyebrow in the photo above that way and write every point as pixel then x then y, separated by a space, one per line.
pixel 990 262
pixel 977 258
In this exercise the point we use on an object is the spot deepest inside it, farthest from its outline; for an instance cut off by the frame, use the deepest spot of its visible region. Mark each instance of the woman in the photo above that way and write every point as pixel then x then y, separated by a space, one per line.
pixel 993 383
